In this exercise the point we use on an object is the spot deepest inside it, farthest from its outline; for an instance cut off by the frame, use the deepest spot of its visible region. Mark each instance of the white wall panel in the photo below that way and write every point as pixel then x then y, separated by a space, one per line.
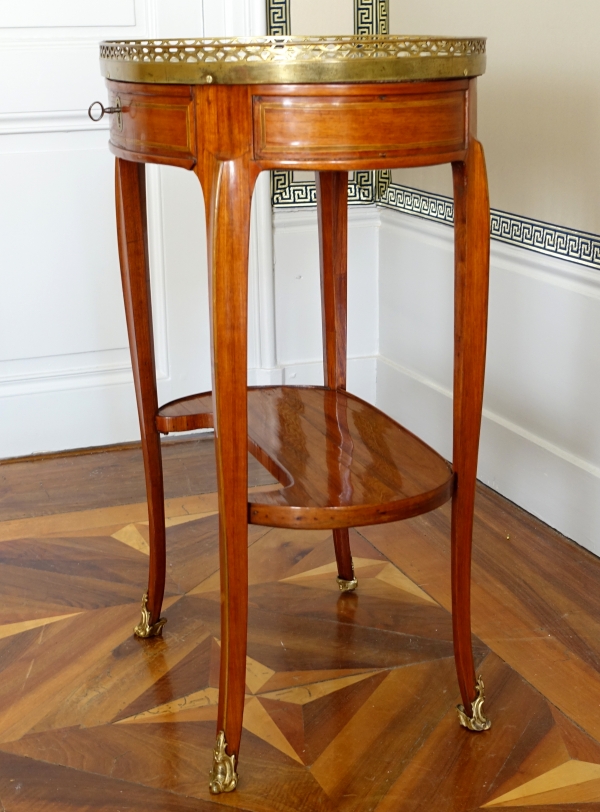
pixel 311 17
pixel 61 288
pixel 59 76
pixel 538 115
pixel 185 284
pixel 64 358
pixel 298 297
pixel 416 295
pixel 176 18
pixel 101 412
pixel 71 13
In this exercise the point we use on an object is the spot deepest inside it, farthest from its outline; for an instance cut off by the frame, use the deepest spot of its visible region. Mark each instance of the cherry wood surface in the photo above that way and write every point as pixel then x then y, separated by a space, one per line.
pixel 341 462
pixel 346 463
pixel 186 414
pixel 130 189
pixel 332 215
pixel 471 283
pixel 168 137
pixel 420 123
pixel 319 128
pixel 338 458
pixel 349 699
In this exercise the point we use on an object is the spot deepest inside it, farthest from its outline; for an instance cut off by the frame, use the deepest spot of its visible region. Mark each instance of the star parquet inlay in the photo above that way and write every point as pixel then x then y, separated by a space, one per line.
pixel 350 697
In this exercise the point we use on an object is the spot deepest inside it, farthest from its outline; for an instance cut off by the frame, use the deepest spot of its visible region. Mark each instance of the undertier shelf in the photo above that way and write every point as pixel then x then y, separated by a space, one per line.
pixel 340 461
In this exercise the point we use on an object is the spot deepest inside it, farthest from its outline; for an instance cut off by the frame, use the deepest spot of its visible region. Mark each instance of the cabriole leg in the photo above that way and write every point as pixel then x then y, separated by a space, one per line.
pixel 135 275
pixel 229 235
pixel 471 223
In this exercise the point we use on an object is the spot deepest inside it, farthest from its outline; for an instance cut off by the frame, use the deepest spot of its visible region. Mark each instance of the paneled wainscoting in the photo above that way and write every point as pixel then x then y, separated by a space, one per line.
pixel 350 698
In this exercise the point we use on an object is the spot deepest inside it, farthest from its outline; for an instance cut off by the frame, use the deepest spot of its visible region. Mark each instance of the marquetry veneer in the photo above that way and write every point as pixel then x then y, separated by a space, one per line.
pixel 228 112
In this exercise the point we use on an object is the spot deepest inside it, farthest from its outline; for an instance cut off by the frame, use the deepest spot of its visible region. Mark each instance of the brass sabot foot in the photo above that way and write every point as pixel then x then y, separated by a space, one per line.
pixel 223 777
pixel 145 628
pixel 478 721
pixel 345 585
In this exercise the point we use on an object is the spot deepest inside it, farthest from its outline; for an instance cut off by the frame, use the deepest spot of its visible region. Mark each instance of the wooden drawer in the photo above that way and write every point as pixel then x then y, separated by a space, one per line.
pixel 384 126
pixel 157 123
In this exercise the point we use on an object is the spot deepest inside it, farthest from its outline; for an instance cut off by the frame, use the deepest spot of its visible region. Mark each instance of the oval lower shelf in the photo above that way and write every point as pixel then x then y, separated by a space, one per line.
pixel 341 462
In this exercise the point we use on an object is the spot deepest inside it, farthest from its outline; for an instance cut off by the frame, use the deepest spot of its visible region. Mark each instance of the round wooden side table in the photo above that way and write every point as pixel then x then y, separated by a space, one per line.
pixel 229 109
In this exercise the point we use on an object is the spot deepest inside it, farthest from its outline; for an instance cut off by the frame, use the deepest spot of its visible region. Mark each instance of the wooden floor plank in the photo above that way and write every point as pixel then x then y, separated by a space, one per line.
pixel 507 622
pixel 65 484
pixel 350 697
pixel 28 785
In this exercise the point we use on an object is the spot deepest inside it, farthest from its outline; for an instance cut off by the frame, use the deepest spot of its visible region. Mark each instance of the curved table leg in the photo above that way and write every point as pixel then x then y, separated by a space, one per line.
pixel 130 183
pixel 332 205
pixel 229 189
pixel 472 224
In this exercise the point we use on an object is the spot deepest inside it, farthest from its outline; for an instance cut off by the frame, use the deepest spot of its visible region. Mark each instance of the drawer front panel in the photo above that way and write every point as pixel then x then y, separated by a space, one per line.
pixel 153 124
pixel 312 128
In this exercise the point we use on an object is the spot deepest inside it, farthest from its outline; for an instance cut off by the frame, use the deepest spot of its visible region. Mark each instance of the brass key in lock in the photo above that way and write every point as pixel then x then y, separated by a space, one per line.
pixel 116 110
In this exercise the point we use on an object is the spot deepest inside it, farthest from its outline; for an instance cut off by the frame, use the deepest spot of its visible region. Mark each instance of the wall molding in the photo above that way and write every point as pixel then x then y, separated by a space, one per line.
pixel 521 232
pixel 52 43
pixel 289 219
pixel 59 372
pixel 489 414
pixel 158 273
pixel 362 375
pixel 53 121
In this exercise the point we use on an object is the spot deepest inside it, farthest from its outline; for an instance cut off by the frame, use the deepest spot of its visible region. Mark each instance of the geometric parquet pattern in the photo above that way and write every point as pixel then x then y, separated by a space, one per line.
pixel 350 698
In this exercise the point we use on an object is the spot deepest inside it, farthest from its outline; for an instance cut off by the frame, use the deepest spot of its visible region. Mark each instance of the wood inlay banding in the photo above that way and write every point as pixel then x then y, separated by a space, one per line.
pixel 297 128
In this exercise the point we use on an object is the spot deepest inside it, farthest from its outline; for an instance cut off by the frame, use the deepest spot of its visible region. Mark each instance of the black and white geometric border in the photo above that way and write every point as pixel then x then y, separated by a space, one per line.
pixel 414 201
pixel 371 17
pixel 278 18
pixel 523 232
pixel 556 241
pixel 289 193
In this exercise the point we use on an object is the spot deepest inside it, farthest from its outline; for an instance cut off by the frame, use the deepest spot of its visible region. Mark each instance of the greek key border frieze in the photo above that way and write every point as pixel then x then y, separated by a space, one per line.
pixel 278 18
pixel 546 238
pixel 288 193
pixel 371 17
pixel 416 202
pixel 522 232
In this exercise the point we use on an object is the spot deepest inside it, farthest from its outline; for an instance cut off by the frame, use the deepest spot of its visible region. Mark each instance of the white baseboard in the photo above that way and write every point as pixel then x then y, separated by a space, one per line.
pixel 362 374
pixel 540 442
pixel 84 417
pixel 265 377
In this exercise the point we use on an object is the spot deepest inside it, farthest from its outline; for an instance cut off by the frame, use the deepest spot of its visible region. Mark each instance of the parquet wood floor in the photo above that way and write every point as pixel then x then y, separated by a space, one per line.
pixel 350 697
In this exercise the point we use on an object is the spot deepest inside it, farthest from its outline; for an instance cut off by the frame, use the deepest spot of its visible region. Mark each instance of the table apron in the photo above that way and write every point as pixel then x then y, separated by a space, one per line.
pixel 301 130
pixel 359 128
